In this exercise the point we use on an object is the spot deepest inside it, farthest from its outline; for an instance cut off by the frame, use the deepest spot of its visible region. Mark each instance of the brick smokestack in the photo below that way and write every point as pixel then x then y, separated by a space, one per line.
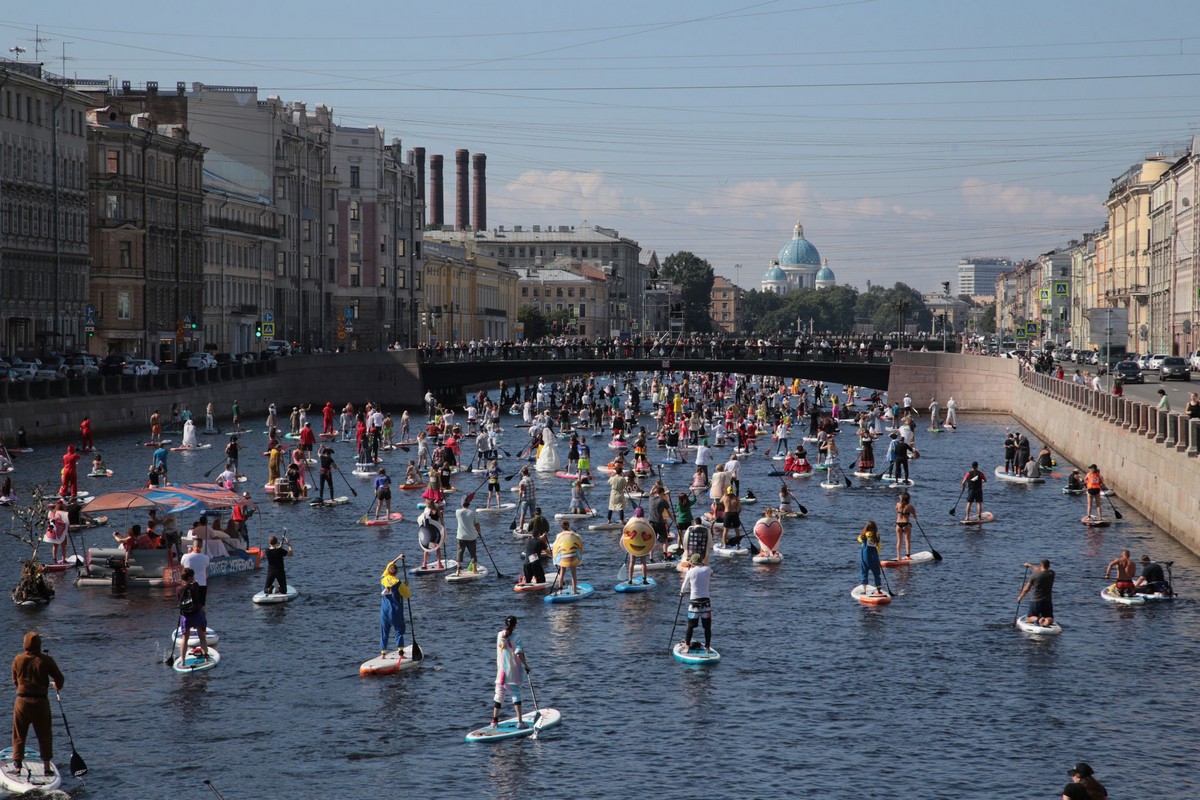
pixel 479 168
pixel 462 201
pixel 437 209
pixel 419 161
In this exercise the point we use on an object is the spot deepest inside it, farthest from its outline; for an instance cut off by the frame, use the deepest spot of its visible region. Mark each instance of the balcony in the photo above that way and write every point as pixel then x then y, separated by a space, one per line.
pixel 245 308
pixel 243 227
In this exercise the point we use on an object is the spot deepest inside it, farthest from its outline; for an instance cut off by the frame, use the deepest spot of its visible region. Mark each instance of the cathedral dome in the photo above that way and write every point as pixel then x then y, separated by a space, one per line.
pixel 799 252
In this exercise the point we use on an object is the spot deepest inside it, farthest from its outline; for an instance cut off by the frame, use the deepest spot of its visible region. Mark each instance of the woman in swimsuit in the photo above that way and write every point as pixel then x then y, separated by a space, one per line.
pixel 905 513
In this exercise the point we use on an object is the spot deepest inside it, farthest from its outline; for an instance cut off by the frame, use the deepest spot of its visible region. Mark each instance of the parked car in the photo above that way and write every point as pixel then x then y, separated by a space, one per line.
pixel 224 358
pixel 200 361
pixel 114 364
pixel 139 366
pixel 53 368
pixel 1194 360
pixel 8 375
pixel 1155 361
pixel 1174 367
pixel 247 357
pixel 1129 372
pixel 82 366
pixel 278 347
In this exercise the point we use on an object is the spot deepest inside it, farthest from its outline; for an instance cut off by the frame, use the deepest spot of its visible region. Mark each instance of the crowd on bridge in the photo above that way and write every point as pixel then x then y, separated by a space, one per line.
pixel 706 346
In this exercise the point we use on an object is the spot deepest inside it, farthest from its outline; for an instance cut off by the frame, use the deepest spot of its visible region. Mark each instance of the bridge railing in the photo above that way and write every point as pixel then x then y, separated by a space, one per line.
pixel 621 351
pixel 1167 428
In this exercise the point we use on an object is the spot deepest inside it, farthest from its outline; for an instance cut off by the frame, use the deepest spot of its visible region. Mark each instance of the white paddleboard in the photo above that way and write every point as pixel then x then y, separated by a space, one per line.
pixel 494 509
pixel 1111 594
pixel 264 599
pixel 1038 630
pixel 30 778
pixel 563 516
pixel 508 729
pixel 195 662
pixel 435 568
pixel 730 552
pixel 212 636
pixel 337 501
pixel 922 557
pixel 606 526
pixel 390 663
pixel 480 572
pixel 761 559
pixel 870 595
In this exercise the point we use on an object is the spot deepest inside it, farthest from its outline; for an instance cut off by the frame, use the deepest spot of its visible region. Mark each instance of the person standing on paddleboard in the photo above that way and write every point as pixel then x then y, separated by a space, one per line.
pixel 868 555
pixel 276 572
pixel 568 555
pixel 535 548
pixel 467 533
pixel 1041 584
pixel 33 673
pixel 906 512
pixel 973 483
pixel 383 493
pixel 391 607
pixel 510 668
pixel 327 466
pixel 1094 483
pixel 697 581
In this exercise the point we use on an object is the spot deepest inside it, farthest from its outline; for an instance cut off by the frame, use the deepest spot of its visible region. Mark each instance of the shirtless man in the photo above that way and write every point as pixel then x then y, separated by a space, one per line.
pixel 1126 569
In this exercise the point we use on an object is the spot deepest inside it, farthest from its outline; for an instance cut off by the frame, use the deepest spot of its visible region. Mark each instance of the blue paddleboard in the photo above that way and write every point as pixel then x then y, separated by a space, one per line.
pixel 638 585
pixel 585 590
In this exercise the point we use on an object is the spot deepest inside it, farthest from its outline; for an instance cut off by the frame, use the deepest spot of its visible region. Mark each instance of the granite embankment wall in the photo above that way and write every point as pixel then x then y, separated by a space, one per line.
pixel 1149 457
pixel 118 405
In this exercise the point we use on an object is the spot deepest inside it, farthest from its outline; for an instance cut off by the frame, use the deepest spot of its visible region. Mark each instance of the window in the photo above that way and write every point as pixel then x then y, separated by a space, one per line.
pixel 354 181
pixel 125 254
pixel 306 265
pixel 123 305
pixel 355 211
pixel 281 263
pixel 558 292
pixel 281 188
pixel 524 291
pixel 401 279
pixel 354 276
pixel 112 208
pixel 582 313
pixel 383 276
pixel 401 247
pixel 112 162
pixel 332 270
pixel 355 243
pixel 574 251
pixel 383 244
pixel 331 234
pixel 306 230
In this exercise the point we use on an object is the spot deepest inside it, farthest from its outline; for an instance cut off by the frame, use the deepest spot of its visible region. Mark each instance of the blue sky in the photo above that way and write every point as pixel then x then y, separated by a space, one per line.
pixel 902 133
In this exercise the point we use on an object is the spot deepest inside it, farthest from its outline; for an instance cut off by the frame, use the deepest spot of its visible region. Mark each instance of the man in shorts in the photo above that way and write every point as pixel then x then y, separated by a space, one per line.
pixel 658 514
pixel 1126 570
pixel 510 668
pixel 1041 585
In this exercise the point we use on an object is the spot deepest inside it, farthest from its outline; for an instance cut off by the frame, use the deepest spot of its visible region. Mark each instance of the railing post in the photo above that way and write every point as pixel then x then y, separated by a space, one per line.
pixel 1152 426
pixel 1181 433
pixel 1160 429
pixel 1130 421
pixel 1143 424
pixel 1193 449
pixel 1170 440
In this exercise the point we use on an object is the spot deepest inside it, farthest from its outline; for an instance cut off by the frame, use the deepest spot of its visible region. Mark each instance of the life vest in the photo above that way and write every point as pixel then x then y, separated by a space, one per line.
pixel 1093 480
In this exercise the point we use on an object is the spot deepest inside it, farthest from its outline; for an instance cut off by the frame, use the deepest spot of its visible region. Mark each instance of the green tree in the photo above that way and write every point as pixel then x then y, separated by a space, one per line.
pixel 988 323
pixel 695 277
pixel 536 324
pixel 756 305
pixel 901 303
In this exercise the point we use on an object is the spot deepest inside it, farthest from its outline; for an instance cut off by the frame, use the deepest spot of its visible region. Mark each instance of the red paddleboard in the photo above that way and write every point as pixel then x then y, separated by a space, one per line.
pixel 367 519
pixel 768 532
pixel 984 517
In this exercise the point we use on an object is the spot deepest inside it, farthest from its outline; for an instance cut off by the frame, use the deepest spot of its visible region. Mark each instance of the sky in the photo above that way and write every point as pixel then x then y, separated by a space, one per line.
pixel 903 134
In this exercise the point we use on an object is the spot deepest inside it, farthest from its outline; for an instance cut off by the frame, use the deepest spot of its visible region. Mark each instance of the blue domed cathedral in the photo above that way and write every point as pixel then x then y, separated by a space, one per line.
pixel 798 266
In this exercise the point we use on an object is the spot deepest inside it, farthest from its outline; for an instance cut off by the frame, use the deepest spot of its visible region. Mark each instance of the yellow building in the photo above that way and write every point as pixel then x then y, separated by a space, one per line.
pixel 468 296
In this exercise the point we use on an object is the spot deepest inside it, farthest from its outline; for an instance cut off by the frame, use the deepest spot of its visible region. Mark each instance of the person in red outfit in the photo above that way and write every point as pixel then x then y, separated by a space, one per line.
pixel 70 474
pixel 327 417
pixel 85 435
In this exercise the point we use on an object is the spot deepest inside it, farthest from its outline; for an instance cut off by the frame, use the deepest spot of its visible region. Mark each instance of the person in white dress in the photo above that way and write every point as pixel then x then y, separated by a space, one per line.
pixel 189 434
pixel 547 460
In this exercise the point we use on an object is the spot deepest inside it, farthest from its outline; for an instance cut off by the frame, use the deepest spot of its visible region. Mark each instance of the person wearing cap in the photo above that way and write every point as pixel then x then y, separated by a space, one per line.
pixel 391 606
pixel 240 516
pixel 1152 580
pixel 1083 785
pixel 697 581
pixel 33 674
pixel 307 439
pixel 732 520
pixel 511 667
pixel 1094 483
pixel 383 493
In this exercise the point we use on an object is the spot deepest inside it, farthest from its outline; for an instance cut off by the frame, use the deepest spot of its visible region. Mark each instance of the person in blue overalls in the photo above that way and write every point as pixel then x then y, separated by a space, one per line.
pixel 391 607
pixel 869 555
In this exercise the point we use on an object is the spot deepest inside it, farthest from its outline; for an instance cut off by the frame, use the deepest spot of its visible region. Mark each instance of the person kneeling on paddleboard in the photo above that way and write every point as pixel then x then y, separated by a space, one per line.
pixel 697 580
pixel 1041 584
pixel 510 661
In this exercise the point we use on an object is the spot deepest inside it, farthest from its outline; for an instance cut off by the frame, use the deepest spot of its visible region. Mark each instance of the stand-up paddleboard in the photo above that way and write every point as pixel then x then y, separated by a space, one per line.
pixel 336 501
pixel 264 599
pixel 508 729
pixel 410 487
pixel 190 448
pixel 639 584
pixel 749 501
pixel 829 484
pixel 107 473
pixel 765 559
pixel 653 566
pixel 588 515
pixel 1073 492
pixel 935 430
pixel 494 509
pixel 583 590
pixel 697 655
pixel 808 474
pixel 864 475
pixel 31 777
pixel 896 482
pixel 466 575
pixel 569 476
pixel 80 495
pixel 1095 522
pixel 606 526
pixel 367 519
pixel 211 636
pixel 729 551
pixel 1038 630
pixel 922 557
pixel 20 449
pixel 983 518
pixel 778 458
pixel 391 662
pixel 870 595
pixel 162 443
pixel 366 473
pixel 528 586
pixel 1111 594
pixel 1010 477
pixel 669 462
pixel 196 661
pixel 435 568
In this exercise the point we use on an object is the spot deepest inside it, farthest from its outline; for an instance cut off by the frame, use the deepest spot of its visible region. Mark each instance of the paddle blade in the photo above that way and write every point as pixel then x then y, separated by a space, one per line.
pixel 802 509
pixel 78 768
pixel 470 497
pixel 936 555
pixel 417 653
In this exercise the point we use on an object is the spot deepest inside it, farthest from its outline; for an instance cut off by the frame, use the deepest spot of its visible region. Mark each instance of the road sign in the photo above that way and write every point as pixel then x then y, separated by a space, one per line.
pixel 348 313
pixel 342 335
pixel 89 328
pixel 268 316
pixel 268 329
pixel 187 320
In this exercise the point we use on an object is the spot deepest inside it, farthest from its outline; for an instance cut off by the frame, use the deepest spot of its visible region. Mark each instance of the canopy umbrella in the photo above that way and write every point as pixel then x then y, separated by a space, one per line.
pixel 202 497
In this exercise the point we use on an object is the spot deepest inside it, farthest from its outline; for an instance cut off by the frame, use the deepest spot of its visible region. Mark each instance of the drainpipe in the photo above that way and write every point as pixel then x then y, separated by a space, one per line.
pixel 4 81
pixel 55 228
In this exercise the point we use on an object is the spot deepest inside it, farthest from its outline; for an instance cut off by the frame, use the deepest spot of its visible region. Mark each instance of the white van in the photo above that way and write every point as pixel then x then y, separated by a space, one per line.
pixel 1194 360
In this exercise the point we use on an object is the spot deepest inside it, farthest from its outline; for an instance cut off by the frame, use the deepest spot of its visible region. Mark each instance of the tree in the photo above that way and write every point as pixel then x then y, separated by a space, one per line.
pixel 536 324
pixel 695 277
pixel 988 323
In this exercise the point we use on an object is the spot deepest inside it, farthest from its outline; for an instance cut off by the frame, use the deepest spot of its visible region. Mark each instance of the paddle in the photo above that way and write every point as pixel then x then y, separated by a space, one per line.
pixel 1113 507
pixel 936 555
pixel 754 550
pixel 208 783
pixel 886 584
pixel 78 768
pixel 799 506
pixel 954 511
pixel 1017 614
pixel 671 643
pixel 348 486
pixel 220 463
pixel 471 495
pixel 416 648
pixel 489 554
pixel 537 712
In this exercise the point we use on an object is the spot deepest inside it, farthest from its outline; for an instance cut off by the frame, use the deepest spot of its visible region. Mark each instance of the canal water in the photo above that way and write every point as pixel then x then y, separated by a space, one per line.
pixel 934 696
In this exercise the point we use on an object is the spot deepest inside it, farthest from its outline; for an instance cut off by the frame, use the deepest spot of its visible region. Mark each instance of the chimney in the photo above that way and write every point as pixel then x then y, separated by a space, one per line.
pixel 437 209
pixel 479 164
pixel 462 200
pixel 419 159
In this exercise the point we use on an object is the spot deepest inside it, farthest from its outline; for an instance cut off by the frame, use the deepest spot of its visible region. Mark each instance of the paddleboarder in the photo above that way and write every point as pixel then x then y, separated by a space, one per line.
pixel 33 673
pixel 1094 483
pixel 568 555
pixel 1153 579
pixel 868 555
pixel 535 549
pixel 327 466
pixel 383 493
pixel 1126 570
pixel 467 533
pixel 510 668
pixel 276 572
pixel 973 482
pixel 906 512
pixel 1041 585
pixel 391 607
pixel 697 581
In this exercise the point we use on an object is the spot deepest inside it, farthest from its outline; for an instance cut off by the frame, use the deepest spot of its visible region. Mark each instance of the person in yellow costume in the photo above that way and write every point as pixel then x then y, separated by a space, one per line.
pixel 391 606
pixel 568 554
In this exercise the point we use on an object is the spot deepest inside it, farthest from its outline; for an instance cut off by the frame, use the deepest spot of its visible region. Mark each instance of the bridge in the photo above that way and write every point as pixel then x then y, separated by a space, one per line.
pixel 449 374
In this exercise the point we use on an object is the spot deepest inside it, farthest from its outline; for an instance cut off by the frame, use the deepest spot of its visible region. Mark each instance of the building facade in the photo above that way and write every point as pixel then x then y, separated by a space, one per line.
pixel 725 306
pixel 147 236
pixel 798 265
pixel 44 255
pixel 468 297
pixel 583 293
pixel 978 274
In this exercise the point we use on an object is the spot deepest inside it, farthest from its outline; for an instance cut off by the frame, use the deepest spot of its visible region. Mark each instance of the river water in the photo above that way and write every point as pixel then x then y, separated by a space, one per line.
pixel 934 696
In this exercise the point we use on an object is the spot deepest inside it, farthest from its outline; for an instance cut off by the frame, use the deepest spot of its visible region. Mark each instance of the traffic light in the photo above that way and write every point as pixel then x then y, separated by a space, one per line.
pixel 194 326
pixel 258 330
